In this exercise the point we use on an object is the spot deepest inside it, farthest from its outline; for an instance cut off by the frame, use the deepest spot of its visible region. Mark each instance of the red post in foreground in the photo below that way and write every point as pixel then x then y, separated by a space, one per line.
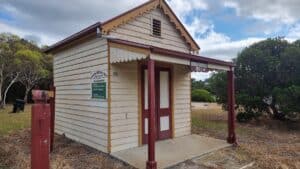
pixel 40 130
pixel 231 102
pixel 52 116
pixel 151 163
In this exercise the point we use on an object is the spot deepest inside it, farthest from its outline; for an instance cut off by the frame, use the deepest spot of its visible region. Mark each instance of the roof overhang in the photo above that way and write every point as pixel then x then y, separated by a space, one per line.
pixel 197 63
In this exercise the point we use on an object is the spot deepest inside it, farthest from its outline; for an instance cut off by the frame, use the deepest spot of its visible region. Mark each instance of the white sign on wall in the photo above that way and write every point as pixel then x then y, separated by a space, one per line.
pixel 98 85
pixel 98 76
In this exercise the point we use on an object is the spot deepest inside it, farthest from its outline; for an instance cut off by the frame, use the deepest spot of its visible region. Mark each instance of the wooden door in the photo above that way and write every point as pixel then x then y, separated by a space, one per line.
pixel 163 104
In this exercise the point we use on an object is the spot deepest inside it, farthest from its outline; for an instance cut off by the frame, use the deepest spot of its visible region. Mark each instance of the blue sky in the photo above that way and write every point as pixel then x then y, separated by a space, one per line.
pixel 222 28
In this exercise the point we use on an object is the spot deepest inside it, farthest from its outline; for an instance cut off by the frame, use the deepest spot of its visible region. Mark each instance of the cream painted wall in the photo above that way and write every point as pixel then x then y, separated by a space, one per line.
pixel 124 106
pixel 77 115
pixel 140 30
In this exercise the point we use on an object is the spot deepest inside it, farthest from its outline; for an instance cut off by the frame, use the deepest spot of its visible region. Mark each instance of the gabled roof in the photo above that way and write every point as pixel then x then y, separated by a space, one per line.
pixel 110 24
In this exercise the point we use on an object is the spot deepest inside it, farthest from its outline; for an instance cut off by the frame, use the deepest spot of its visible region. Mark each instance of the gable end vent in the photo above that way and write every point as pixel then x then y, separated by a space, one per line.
pixel 156 27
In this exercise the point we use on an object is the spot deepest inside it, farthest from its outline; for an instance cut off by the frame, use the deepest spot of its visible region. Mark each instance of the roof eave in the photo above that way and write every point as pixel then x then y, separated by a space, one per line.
pixel 173 53
pixel 73 37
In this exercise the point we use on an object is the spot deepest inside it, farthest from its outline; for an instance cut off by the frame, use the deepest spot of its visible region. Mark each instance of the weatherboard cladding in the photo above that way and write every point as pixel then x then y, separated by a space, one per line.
pixel 139 30
pixel 77 115
pixel 86 120
pixel 182 100
pixel 124 106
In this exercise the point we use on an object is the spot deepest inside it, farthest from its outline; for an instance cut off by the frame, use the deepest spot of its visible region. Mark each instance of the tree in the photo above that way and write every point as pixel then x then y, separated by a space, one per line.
pixel 217 84
pixel 32 69
pixel 265 73
pixel 202 95
pixel 198 84
pixel 21 61
pixel 8 72
pixel 288 99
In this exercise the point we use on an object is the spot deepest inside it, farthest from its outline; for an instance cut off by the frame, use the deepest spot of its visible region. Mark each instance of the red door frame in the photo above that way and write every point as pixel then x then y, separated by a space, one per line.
pixel 145 113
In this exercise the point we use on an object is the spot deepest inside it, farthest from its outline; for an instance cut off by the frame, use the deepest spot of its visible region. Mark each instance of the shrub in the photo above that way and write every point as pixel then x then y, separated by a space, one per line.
pixel 288 101
pixel 244 117
pixel 202 95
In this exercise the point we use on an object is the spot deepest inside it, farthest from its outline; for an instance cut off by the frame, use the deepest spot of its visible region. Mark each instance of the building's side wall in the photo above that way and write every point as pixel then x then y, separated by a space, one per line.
pixel 77 115
pixel 140 30
pixel 124 106
pixel 182 100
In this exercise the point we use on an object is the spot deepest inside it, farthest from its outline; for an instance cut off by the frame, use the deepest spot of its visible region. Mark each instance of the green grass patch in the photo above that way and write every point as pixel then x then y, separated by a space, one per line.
pixel 11 122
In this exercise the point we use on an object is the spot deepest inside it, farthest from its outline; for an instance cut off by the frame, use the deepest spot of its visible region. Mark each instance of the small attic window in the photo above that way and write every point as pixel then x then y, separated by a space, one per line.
pixel 156 27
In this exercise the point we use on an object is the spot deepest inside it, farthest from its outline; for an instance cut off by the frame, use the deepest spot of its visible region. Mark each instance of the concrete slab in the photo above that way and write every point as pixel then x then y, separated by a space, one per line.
pixel 172 151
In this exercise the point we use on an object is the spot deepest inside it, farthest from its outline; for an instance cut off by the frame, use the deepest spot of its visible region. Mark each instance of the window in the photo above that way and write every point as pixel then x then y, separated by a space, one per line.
pixel 156 27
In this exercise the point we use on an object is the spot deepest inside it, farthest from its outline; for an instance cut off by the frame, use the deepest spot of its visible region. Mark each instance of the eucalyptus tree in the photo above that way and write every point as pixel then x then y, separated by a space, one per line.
pixel 32 69
pixel 9 73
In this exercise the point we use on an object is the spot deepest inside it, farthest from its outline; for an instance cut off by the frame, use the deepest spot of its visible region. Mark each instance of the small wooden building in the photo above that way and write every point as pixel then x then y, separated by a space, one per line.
pixel 129 77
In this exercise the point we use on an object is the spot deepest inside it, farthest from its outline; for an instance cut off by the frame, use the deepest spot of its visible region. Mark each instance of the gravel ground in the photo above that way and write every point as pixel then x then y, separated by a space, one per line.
pixel 264 144
pixel 67 154
pixel 267 147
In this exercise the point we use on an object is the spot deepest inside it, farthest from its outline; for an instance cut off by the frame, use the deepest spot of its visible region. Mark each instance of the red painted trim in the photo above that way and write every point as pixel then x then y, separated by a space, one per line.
pixel 151 163
pixel 163 111
pixel 158 112
pixel 231 114
pixel 173 53
pixel 145 113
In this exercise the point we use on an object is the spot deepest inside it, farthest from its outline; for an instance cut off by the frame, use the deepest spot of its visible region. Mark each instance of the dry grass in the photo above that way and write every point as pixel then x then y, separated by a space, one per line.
pixel 67 154
pixel 267 143
pixel 15 147
pixel 269 147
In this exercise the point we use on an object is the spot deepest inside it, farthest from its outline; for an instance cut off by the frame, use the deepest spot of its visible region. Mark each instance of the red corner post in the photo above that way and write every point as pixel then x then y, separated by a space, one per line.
pixel 52 115
pixel 231 102
pixel 151 163
pixel 40 130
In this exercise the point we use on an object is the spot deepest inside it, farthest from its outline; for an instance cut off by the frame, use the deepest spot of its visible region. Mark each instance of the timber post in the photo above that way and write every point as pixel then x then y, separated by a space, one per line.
pixel 52 115
pixel 231 103
pixel 40 130
pixel 151 163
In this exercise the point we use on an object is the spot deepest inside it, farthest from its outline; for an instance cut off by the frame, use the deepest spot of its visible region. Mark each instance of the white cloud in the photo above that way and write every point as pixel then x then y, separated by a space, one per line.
pixel 294 32
pixel 56 19
pixel 284 11
pixel 201 75
pixel 216 45
pixel 199 26
pixel 219 46
pixel 39 38
pixel 183 8
pixel 49 21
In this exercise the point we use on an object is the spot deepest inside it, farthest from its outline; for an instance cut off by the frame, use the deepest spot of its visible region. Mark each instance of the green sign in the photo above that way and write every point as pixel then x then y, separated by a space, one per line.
pixel 99 90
